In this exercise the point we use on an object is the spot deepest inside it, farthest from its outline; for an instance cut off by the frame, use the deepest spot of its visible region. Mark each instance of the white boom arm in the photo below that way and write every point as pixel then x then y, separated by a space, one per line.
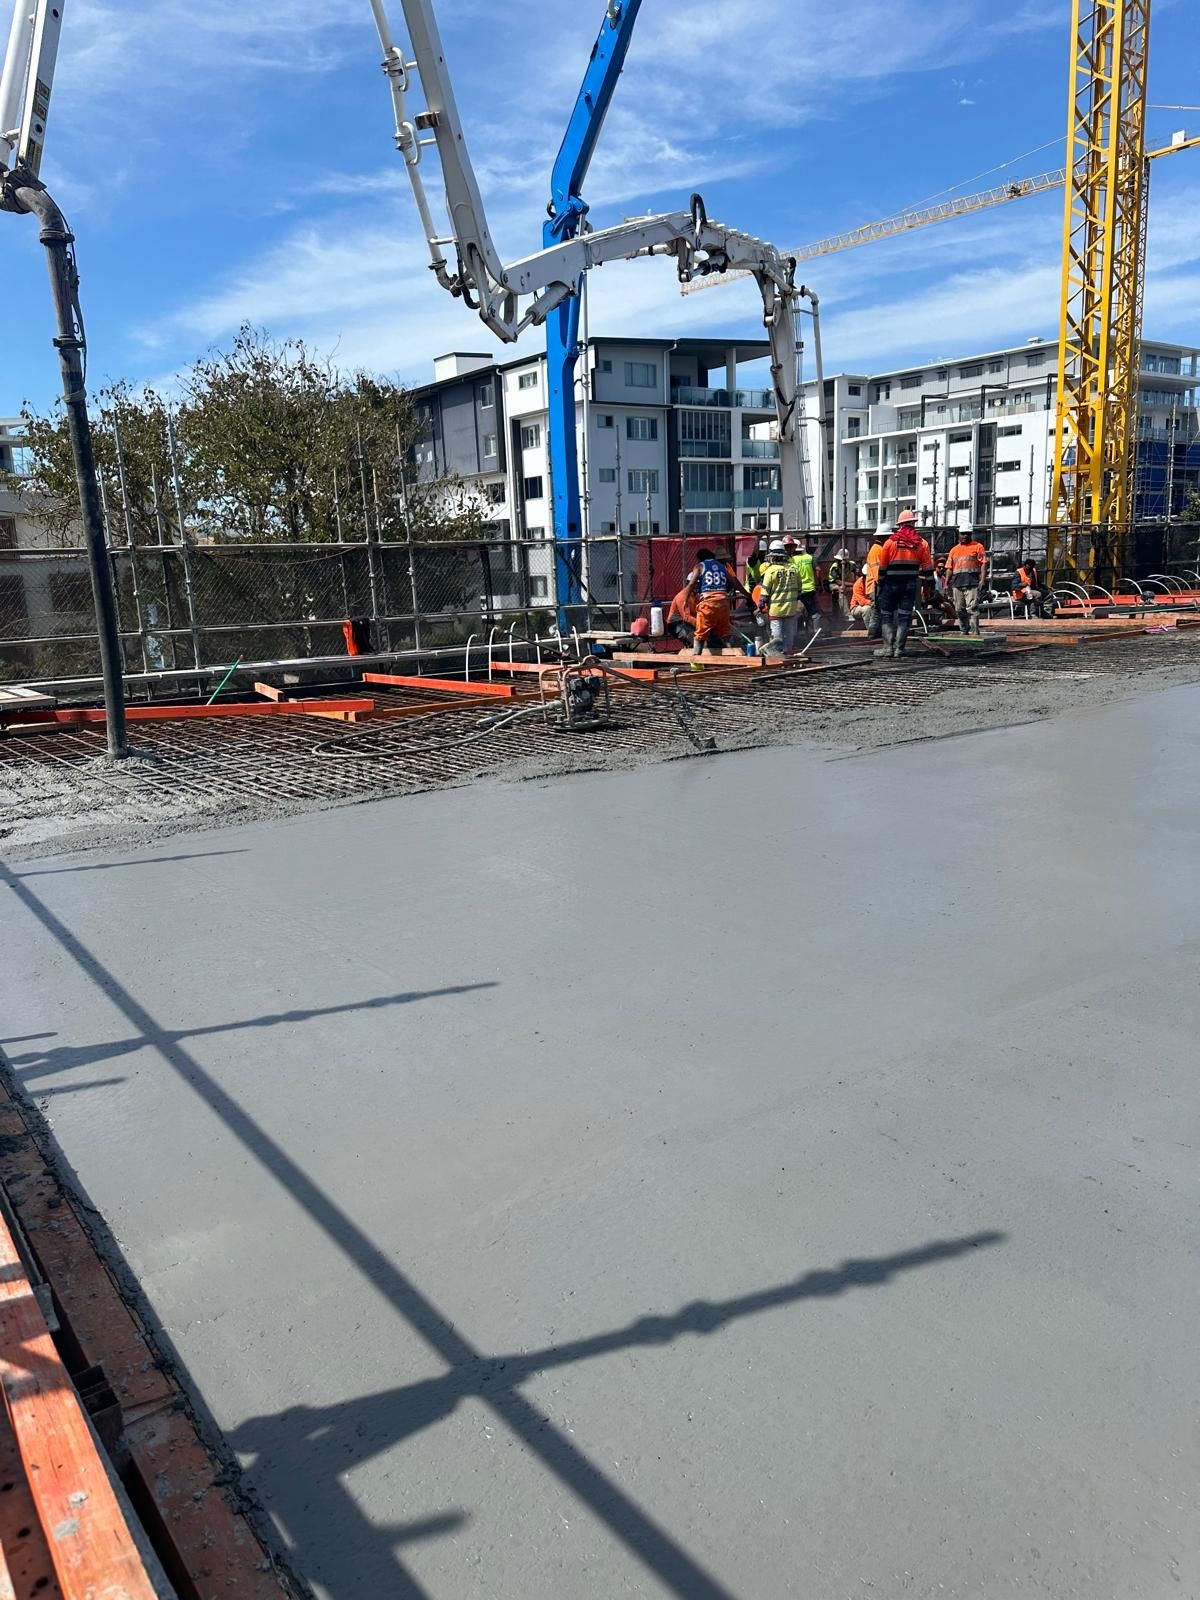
pixel 26 80
pixel 548 277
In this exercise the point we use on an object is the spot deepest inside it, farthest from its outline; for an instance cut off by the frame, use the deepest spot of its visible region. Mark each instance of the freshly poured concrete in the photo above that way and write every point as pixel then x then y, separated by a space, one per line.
pixel 750 1177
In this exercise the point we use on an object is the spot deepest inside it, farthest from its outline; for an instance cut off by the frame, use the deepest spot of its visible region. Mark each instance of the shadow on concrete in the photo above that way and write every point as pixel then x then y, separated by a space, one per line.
pixel 301 1455
pixel 52 1089
pixel 65 1058
pixel 113 866
pixel 675 1569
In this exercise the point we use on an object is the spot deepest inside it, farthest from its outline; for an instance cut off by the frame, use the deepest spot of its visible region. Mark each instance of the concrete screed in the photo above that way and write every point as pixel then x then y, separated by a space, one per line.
pixel 661 1183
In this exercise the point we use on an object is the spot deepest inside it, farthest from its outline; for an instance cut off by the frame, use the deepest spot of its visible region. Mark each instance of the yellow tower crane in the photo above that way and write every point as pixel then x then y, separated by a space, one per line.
pixel 1103 272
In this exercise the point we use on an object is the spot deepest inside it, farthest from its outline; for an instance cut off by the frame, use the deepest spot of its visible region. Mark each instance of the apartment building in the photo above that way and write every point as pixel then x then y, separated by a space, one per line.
pixel 971 440
pixel 669 435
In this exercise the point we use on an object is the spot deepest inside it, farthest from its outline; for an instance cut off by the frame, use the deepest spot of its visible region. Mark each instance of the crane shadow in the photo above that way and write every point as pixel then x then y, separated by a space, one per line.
pixel 299 1458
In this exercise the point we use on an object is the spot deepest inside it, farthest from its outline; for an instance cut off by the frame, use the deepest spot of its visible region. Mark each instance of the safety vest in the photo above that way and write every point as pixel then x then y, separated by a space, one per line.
pixel 781 589
pixel 965 565
pixel 906 555
pixel 806 569
pixel 874 557
pixel 1026 581
pixel 859 595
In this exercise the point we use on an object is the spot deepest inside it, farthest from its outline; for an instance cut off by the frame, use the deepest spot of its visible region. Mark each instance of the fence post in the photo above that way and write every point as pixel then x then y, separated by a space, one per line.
pixel 128 520
pixel 166 568
pixel 372 574
pixel 189 593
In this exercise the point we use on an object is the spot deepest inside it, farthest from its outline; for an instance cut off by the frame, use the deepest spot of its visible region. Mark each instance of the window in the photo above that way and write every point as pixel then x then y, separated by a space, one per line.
pixel 911 380
pixel 1007 433
pixel 644 428
pixel 760 477
pixel 700 477
pixel 604 366
pixel 854 388
pixel 12 598
pixel 963 437
pixel 608 474
pixel 641 375
pixel 853 427
pixel 643 480
pixel 489 445
pixel 704 428
pixel 957 472
pixel 943 372
pixel 1008 499
pixel 930 446
pixel 539 588
pixel 638 527
pixel 527 380
pixel 1008 466
pixel 1035 358
pixel 531 436
pixel 973 370
pixel 8 533
pixel 496 493
pixel 881 391
pixel 608 527
pixel 535 533
pixel 604 419
pixel 532 488
pixel 995 366
pixel 958 505
pixel 486 399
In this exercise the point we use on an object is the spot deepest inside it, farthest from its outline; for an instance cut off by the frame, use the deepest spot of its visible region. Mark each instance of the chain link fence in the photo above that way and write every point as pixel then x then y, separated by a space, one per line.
pixel 198 605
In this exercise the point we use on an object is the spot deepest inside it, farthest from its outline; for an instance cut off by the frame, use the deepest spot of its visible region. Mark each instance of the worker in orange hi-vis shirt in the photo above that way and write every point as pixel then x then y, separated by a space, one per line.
pixel 872 577
pixel 906 559
pixel 966 569
pixel 861 608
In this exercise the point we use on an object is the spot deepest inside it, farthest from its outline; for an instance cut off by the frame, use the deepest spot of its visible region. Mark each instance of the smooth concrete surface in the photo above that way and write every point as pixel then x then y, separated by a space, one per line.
pixel 758 1176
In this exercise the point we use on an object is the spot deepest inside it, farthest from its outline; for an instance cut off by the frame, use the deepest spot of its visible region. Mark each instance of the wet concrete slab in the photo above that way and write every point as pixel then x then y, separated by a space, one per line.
pixel 756 1176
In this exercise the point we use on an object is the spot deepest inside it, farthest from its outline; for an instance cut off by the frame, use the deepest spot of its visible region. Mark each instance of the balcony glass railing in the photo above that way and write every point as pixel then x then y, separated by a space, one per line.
pixel 706 449
pixel 704 499
pixel 743 399
pixel 760 449
pixel 758 499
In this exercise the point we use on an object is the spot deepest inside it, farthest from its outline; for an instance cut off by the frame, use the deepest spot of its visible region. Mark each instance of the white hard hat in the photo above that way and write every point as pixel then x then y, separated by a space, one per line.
pixel 863 569
pixel 777 546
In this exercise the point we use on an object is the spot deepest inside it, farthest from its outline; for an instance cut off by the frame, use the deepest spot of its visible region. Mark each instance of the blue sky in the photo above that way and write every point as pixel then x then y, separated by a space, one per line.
pixel 233 162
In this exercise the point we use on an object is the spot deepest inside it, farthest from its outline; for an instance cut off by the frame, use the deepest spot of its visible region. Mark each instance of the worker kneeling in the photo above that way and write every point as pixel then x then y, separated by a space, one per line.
pixel 905 559
pixel 780 601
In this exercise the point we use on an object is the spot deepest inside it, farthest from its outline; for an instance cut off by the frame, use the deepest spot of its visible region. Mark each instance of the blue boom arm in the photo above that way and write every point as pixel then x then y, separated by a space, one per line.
pixel 567 212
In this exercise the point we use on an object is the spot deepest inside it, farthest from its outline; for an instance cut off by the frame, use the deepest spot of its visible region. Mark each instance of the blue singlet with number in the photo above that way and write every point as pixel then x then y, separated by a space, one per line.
pixel 713 579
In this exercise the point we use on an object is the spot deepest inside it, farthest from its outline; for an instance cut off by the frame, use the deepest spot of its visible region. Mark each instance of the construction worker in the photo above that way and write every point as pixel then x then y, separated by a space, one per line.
pixel 906 559
pixel 874 556
pixel 780 601
pixel 681 619
pixel 966 570
pixel 861 608
pixel 756 563
pixel 806 569
pixel 710 586
pixel 1027 588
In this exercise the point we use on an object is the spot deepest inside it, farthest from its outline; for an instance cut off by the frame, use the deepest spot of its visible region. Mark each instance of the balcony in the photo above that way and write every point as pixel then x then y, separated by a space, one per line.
pixel 706 499
pixel 758 499
pixel 760 449
pixel 706 449
pixel 742 399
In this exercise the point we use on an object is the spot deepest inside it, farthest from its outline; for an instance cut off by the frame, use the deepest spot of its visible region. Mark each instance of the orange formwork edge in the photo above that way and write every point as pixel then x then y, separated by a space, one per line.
pixel 504 691
pixel 208 1548
pixel 88 1541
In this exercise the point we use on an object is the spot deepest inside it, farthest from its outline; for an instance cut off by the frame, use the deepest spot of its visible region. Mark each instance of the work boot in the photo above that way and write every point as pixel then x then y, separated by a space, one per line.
pixel 888 634
pixel 900 637
pixel 697 647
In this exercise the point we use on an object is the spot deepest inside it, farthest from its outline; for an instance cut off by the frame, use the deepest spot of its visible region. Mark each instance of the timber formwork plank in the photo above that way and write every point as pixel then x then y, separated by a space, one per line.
pixel 211 1544
pixel 90 1545
pixel 503 691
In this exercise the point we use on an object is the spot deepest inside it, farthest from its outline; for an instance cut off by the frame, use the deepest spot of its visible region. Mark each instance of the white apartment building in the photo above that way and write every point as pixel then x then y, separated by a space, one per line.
pixel 971 440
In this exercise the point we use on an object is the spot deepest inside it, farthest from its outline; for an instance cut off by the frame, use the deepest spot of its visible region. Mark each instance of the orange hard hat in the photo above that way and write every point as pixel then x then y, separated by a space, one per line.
pixel 906 517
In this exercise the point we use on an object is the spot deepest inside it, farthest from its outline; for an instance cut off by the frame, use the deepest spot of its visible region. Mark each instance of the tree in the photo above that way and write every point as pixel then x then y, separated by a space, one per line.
pixel 268 444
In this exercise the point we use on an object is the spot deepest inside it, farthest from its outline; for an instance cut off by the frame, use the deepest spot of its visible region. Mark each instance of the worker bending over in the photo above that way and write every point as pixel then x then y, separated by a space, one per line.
pixel 966 570
pixel 681 618
pixel 906 559
pixel 710 586
pixel 780 599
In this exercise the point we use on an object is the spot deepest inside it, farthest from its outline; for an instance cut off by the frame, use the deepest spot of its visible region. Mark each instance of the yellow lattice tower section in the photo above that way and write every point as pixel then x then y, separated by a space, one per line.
pixel 1102 276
